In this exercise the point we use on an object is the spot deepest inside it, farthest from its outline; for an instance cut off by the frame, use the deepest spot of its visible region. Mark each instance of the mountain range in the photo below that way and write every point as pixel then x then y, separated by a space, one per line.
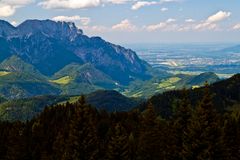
pixel 49 46
pixel 44 57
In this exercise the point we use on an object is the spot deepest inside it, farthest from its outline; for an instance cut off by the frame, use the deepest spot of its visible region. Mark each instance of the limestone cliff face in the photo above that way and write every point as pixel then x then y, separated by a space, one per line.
pixel 49 46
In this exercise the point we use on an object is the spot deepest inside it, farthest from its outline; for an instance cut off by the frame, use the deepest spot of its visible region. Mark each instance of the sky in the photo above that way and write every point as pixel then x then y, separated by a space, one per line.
pixel 137 21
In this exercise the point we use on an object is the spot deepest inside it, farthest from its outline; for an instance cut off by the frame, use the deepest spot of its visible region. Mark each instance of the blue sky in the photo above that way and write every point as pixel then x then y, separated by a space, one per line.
pixel 137 21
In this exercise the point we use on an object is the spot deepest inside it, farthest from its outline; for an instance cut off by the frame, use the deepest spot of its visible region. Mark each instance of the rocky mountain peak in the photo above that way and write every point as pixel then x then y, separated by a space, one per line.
pixel 50 28
pixel 49 46
pixel 6 28
pixel 59 30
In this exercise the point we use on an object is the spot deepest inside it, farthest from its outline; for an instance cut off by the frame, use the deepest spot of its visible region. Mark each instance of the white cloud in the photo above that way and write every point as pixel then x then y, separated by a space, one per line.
pixel 189 20
pixel 211 22
pixel 170 20
pixel 124 25
pixel 219 16
pixel 205 26
pixel 201 26
pixel 6 10
pixel 77 4
pixel 8 7
pixel 16 2
pixel 170 25
pixel 168 1
pixel 164 26
pixel 95 29
pixel 141 4
pixel 154 27
pixel 83 20
pixel 164 9
pixel 69 4
pixel 184 28
pixel 14 23
pixel 117 1
pixel 236 27
pixel 164 1
pixel 99 28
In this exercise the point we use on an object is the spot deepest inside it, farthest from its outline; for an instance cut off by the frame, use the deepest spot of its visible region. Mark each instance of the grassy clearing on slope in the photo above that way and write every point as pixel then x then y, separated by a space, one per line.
pixel 4 73
pixel 191 73
pixel 71 100
pixel 169 83
pixel 138 94
pixel 64 80
pixel 195 87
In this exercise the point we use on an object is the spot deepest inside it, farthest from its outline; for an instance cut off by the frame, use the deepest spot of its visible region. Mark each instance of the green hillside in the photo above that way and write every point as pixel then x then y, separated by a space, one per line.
pixel 27 108
pixel 176 82
pixel 62 81
pixel 21 80
pixel 4 73
pixel 82 79
pixel 226 94
pixel 84 73
pixel 16 64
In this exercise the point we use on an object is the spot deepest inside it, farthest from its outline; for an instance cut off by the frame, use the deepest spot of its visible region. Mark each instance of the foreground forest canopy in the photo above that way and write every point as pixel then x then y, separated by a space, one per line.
pixel 80 132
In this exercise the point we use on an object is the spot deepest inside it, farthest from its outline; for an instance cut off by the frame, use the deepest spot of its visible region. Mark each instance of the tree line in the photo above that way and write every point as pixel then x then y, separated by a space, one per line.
pixel 80 132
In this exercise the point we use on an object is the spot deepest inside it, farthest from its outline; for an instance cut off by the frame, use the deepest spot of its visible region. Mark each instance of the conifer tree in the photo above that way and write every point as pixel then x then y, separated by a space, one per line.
pixel 82 100
pixel 118 146
pixel 59 147
pixel 82 142
pixel 17 147
pixel 45 156
pixel 150 139
pixel 4 132
pixel 231 136
pixel 203 138
pixel 132 147
pixel 180 123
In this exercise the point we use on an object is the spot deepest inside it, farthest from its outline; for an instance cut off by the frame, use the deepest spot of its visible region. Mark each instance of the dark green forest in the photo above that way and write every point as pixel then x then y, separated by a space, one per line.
pixel 78 131
pixel 46 65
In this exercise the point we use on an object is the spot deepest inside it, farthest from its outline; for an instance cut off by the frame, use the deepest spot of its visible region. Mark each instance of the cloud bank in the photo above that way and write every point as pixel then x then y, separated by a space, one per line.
pixel 8 7
pixel 77 4
pixel 83 20
pixel 125 25
pixel 140 4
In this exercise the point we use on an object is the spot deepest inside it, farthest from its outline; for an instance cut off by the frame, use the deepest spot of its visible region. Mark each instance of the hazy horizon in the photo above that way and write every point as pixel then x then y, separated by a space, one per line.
pixel 136 21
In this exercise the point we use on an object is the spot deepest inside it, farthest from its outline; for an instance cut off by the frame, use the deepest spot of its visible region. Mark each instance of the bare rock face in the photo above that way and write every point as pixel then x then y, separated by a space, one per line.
pixel 49 46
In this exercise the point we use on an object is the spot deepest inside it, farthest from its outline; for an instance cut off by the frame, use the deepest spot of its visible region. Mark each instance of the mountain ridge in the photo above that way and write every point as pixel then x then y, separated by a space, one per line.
pixel 50 45
pixel 225 94
pixel 41 53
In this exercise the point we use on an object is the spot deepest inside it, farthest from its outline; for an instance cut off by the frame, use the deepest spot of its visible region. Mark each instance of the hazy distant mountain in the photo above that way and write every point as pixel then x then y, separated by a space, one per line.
pixel 233 49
